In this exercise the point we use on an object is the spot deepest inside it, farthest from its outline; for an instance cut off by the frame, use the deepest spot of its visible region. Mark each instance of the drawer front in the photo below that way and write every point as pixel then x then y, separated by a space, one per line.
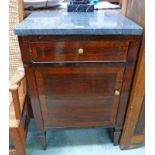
pixel 79 95
pixel 79 51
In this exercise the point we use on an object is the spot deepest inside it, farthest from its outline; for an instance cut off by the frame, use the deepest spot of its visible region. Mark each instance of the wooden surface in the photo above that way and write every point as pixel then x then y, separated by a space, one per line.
pixel 124 4
pixel 17 131
pixel 133 132
pixel 69 51
pixel 136 11
pixel 21 10
pixel 135 103
pixel 18 139
pixel 79 95
pixel 18 98
pixel 18 127
pixel 12 152
pixel 68 89
pixel 140 126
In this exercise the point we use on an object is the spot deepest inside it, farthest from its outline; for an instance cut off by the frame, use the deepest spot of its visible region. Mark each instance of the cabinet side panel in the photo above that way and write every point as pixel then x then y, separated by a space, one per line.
pixel 127 81
pixel 140 127
pixel 31 82
pixel 32 90
pixel 134 107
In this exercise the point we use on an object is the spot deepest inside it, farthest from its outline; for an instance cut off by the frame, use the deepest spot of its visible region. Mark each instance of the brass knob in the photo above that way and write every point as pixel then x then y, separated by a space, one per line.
pixel 80 51
pixel 117 92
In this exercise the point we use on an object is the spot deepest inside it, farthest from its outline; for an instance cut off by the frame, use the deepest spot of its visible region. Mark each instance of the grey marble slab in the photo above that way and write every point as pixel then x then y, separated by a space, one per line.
pixel 70 23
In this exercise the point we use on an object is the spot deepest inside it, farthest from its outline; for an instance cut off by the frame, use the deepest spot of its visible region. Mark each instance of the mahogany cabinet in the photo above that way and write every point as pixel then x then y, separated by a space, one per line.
pixel 79 81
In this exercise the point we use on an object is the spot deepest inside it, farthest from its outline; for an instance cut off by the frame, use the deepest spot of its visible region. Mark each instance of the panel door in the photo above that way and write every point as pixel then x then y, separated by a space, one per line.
pixel 79 94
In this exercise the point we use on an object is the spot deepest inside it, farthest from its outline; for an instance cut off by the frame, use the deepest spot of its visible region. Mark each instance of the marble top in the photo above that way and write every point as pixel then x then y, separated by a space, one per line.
pixel 72 23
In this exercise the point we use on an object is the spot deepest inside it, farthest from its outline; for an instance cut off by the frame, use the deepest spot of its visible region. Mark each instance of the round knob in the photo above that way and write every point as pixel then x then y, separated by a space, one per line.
pixel 117 92
pixel 80 51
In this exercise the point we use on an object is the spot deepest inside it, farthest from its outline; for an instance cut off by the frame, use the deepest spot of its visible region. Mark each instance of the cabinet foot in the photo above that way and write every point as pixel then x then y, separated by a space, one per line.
pixel 42 139
pixel 116 136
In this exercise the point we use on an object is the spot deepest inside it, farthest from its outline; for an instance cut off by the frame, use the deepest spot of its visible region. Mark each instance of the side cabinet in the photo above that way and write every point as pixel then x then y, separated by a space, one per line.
pixel 79 81
pixel 134 127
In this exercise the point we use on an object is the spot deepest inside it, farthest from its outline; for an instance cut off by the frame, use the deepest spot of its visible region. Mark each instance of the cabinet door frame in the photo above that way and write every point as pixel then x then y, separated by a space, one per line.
pixel 40 73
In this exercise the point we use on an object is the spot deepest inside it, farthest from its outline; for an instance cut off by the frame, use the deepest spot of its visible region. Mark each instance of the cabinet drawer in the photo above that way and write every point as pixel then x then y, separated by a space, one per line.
pixel 79 51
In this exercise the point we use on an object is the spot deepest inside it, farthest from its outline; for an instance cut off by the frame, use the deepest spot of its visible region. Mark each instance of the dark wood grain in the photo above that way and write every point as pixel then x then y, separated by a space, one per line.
pixel 68 51
pixel 134 125
pixel 134 107
pixel 61 38
pixel 140 126
pixel 17 138
pixel 68 90
pixel 126 87
pixel 35 104
pixel 128 75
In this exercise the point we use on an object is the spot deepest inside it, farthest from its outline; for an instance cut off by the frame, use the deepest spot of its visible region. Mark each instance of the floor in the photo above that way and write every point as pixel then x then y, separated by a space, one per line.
pixel 76 142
